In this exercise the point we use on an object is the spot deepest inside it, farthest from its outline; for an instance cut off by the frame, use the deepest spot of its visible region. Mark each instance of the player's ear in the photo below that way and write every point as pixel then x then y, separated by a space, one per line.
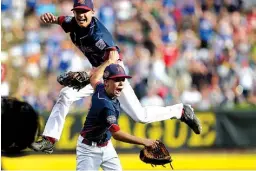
pixel 106 83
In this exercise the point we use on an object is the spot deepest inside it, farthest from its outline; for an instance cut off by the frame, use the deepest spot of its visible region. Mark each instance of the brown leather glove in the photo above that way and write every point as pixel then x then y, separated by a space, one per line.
pixel 158 155
pixel 76 80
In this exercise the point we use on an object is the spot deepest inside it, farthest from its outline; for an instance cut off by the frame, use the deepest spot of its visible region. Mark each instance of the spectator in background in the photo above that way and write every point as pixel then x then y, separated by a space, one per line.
pixel 181 43
pixel 5 88
pixel 211 5
pixel 107 15
pixel 191 96
pixel 142 66
pixel 246 76
pixel 158 71
pixel 206 26
pixel 44 6
pixel 140 88
pixel 152 98
pixel 205 103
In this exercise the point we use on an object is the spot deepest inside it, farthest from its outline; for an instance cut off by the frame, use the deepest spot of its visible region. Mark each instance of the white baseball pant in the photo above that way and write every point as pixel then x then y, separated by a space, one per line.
pixel 128 100
pixel 93 157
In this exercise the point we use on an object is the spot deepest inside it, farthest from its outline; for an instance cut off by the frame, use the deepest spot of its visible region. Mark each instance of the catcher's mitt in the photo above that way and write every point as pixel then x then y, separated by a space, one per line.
pixel 156 156
pixel 77 80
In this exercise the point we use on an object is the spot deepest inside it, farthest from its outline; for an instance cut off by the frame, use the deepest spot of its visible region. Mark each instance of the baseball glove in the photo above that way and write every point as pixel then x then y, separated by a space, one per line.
pixel 76 80
pixel 156 155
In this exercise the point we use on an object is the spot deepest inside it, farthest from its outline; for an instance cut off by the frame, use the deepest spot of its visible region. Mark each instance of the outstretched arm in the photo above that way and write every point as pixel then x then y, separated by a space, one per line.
pixel 125 137
pixel 97 74
pixel 110 119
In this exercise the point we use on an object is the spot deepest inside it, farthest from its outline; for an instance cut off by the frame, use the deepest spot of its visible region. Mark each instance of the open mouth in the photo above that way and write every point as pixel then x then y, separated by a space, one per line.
pixel 118 90
pixel 81 20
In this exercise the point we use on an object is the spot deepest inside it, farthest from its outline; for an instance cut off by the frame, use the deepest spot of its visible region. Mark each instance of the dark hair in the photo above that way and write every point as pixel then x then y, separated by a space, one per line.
pixel 19 125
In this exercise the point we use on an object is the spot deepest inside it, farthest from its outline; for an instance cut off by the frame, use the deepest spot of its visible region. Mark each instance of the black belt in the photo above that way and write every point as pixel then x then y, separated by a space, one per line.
pixel 91 143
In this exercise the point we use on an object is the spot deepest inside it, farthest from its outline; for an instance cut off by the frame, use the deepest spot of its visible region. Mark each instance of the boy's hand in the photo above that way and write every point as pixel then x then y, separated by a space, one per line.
pixel 49 18
pixel 112 56
pixel 150 143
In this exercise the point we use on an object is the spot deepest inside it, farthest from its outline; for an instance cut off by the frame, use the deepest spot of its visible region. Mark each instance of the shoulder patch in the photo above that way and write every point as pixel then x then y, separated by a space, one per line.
pixel 68 19
pixel 111 119
pixel 100 44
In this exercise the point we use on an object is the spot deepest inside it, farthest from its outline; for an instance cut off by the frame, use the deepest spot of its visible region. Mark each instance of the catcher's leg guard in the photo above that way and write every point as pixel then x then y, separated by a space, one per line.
pixel 190 119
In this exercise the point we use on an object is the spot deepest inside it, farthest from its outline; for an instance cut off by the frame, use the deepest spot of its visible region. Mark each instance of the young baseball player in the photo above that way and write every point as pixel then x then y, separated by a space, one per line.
pixel 97 44
pixel 94 147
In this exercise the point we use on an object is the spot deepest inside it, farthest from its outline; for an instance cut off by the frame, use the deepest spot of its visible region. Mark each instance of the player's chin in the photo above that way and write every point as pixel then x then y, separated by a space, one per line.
pixel 83 23
pixel 117 92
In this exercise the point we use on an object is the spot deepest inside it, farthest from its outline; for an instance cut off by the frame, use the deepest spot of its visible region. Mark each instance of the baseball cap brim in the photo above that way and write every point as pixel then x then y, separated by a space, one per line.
pixel 82 8
pixel 120 76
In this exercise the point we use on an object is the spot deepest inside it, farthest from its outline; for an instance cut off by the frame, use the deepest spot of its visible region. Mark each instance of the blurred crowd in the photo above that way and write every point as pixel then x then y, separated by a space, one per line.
pixel 201 52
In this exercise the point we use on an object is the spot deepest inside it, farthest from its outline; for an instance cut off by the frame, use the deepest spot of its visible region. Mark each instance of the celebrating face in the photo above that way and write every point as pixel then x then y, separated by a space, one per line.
pixel 83 17
pixel 114 86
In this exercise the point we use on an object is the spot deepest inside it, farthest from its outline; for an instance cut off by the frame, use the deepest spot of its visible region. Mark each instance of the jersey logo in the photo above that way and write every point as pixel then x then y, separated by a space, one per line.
pixel 81 1
pixel 100 44
pixel 111 119
pixel 119 69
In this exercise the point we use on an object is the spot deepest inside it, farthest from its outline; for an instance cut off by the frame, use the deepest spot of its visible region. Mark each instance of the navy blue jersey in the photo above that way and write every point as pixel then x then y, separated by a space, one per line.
pixel 102 117
pixel 93 40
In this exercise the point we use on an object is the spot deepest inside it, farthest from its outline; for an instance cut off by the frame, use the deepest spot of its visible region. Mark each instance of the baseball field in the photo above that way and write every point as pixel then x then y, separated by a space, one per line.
pixel 181 161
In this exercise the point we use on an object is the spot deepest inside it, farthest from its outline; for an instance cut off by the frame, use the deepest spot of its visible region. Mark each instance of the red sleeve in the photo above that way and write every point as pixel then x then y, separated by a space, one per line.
pixel 67 23
pixel 61 19
pixel 114 128
pixel 111 48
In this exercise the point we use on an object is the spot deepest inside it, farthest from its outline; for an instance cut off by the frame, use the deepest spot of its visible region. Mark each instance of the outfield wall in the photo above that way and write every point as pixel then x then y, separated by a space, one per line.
pixel 221 129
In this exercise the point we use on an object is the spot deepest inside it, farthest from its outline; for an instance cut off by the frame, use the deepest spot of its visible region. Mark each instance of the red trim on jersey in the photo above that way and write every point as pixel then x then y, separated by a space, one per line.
pixel 111 48
pixel 114 128
pixel 61 19
pixel 82 8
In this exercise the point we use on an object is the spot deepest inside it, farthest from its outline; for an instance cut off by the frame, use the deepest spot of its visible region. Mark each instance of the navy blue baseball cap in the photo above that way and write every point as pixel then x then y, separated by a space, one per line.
pixel 83 4
pixel 114 71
